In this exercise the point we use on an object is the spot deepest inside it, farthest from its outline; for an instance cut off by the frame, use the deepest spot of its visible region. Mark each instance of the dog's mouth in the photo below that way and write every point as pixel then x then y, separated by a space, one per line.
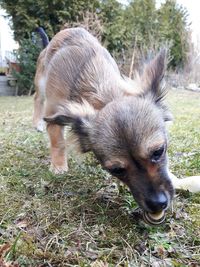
pixel 154 218
pixel 153 209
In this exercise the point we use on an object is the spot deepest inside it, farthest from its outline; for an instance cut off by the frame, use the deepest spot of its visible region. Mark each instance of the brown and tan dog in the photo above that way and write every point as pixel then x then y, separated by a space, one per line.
pixel 121 121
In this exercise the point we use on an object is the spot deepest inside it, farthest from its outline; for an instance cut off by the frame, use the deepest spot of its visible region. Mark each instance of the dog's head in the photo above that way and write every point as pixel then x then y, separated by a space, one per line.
pixel 128 136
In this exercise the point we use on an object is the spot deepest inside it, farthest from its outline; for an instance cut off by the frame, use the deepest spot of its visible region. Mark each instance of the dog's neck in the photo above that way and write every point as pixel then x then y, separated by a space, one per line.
pixel 114 89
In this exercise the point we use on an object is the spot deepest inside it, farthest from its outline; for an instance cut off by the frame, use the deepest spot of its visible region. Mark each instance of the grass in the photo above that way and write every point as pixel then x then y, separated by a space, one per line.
pixel 48 220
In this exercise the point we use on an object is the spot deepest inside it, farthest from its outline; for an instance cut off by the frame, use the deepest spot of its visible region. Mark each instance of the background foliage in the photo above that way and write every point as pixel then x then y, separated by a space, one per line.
pixel 27 56
pixel 139 26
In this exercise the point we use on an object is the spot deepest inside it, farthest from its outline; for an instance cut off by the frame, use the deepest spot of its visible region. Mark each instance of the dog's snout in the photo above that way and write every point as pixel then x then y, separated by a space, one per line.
pixel 157 202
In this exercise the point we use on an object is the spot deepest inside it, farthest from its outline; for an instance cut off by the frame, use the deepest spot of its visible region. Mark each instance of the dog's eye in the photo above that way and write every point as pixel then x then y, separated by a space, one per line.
pixel 117 171
pixel 157 154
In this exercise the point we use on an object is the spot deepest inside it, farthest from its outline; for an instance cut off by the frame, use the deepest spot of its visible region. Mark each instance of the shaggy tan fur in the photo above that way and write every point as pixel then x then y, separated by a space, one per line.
pixel 121 121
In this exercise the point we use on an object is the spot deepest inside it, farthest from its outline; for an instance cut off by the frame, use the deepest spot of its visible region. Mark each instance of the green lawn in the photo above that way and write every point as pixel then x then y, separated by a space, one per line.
pixel 49 220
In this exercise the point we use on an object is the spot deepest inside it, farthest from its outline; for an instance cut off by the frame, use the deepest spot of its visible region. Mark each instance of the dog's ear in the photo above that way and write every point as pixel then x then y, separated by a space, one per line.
pixel 152 84
pixel 152 75
pixel 80 118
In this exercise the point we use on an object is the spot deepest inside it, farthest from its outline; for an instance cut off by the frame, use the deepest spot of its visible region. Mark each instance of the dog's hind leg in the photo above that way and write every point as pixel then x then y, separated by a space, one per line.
pixel 40 86
pixel 57 146
pixel 38 122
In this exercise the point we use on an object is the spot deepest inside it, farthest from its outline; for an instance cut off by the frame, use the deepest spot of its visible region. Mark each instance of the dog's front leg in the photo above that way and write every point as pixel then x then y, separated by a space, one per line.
pixel 191 183
pixel 38 122
pixel 58 154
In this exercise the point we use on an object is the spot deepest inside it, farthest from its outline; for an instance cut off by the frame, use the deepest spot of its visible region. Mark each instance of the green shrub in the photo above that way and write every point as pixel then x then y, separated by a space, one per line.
pixel 26 56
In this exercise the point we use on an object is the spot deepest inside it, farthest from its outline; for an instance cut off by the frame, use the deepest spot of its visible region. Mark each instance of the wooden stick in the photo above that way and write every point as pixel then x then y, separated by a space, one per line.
pixel 132 59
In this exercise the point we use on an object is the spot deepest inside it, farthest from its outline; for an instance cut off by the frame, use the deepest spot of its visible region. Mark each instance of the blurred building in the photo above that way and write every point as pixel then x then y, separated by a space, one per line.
pixel 7 43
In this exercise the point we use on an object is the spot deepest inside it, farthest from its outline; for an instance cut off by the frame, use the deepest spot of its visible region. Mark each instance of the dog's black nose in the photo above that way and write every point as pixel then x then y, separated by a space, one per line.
pixel 157 202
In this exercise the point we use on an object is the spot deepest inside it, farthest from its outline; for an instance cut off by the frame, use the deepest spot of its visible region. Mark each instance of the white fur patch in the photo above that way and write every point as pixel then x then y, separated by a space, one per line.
pixel 131 87
pixel 42 85
pixel 78 109
pixel 40 126
pixel 191 183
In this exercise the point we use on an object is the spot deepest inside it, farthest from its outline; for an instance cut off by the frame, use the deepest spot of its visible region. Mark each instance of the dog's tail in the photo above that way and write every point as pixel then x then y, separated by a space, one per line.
pixel 43 35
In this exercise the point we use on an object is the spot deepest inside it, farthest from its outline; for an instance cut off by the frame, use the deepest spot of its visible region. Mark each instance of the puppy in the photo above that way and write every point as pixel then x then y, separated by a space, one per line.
pixel 121 121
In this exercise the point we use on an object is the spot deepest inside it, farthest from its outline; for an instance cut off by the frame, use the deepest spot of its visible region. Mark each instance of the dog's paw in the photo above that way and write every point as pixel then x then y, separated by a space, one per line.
pixel 40 126
pixel 58 169
pixel 191 183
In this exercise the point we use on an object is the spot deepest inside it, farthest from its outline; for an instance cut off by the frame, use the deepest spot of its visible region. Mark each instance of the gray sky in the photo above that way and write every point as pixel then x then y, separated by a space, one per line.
pixel 6 36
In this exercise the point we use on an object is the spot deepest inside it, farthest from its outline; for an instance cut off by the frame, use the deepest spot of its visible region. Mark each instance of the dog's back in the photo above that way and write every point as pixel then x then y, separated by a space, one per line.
pixel 77 67
pixel 74 67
